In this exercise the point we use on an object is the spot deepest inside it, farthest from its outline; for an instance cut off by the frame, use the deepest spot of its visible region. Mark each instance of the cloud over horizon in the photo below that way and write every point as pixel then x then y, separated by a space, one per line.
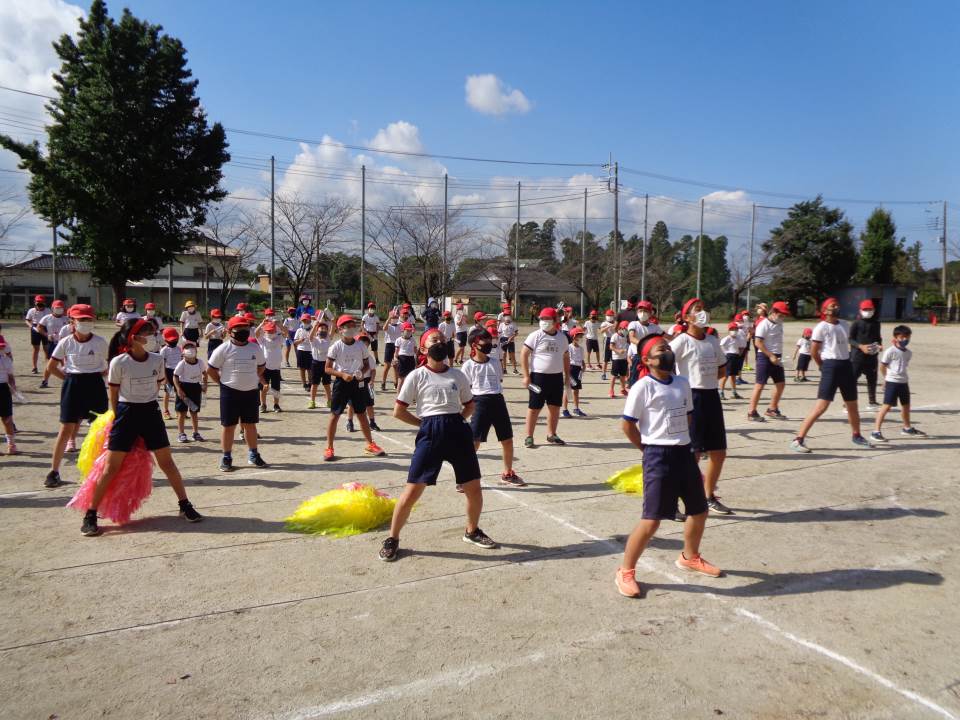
pixel 489 95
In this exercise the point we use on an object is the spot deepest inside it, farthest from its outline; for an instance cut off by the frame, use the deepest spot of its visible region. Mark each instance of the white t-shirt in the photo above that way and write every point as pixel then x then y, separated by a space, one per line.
pixel 238 365
pixel 618 347
pixel 290 324
pixel 406 346
pixel 608 328
pixel 772 335
pixel 171 356
pixel 371 365
pixel 348 358
pixel 631 353
pixel 391 331
pixel 730 344
pixel 546 351
pixel 486 378
pixel 89 356
pixel 65 331
pixel 123 316
pixel 803 345
pixel 301 339
pixel 576 355
pixel 507 331
pixel 698 360
pixel 642 330
pixel 371 324
pixel 319 347
pixel 137 379
pixel 190 320
pixel 272 350
pixel 190 372
pixel 590 329
pixel 6 368
pixel 53 325
pixel 461 320
pixel 34 316
pixel 834 339
pixel 216 332
pixel 660 410
pixel 896 362
pixel 742 339
pixel 436 393
pixel 449 330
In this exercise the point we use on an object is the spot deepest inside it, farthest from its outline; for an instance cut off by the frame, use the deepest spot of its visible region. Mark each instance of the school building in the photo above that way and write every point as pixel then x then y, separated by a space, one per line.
pixel 495 285
pixel 892 302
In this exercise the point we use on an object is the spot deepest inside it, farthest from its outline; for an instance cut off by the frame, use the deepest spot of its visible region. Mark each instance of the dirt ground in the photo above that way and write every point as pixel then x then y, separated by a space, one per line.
pixel 839 598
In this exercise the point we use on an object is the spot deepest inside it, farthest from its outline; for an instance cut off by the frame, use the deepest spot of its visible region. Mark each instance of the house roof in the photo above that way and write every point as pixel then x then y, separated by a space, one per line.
pixel 533 281
pixel 65 263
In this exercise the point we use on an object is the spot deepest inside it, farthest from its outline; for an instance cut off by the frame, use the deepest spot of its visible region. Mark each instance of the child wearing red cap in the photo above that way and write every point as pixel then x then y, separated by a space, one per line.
pixel 347 362
pixel 391 334
pixel 49 328
pixel 214 331
pixel 657 419
pixel 507 330
pixel 608 328
pixel 170 352
pixel 618 354
pixel 830 348
pixel 301 343
pixel 290 325
pixel 801 355
pixel 32 320
pixel 591 331
pixel 128 311
pixel 190 384
pixel 730 345
pixel 462 323
pixel 866 342
pixel 546 374
pixel 576 374
pixel 449 330
pixel 367 383
pixel 768 339
pixel 406 360
pixel 83 393
pixel 372 326
pixel 8 386
pixel 319 347
pixel 271 341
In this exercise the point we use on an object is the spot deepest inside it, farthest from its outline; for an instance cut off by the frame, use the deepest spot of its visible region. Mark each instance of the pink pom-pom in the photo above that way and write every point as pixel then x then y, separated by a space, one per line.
pixel 128 489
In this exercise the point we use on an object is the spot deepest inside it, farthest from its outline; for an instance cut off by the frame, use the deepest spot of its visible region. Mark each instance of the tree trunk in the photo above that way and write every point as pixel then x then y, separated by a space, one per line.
pixel 119 293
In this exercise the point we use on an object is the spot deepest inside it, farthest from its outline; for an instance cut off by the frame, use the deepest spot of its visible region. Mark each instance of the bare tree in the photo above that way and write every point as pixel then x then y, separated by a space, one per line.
pixel 664 281
pixel 743 275
pixel 232 239
pixel 12 211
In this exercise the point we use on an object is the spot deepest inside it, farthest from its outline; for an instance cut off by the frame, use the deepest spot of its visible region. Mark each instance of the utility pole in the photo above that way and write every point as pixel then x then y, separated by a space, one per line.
pixel 616 232
pixel 363 237
pixel 943 270
pixel 700 249
pixel 53 258
pixel 753 228
pixel 583 255
pixel 516 250
pixel 206 272
pixel 443 277
pixel 273 236
pixel 643 252
pixel 169 288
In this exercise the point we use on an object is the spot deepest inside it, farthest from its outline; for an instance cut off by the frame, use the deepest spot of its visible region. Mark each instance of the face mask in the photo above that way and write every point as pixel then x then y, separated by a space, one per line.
pixel 304 302
pixel 546 325
pixel 831 311
pixel 129 308
pixel 866 314
pixel 622 333
pixel 306 325
pixel 291 314
pixel 241 335
pixel 150 343
pixel 666 361
pixel 407 334
pixel 58 311
pixel 370 312
pixel 269 336
pixel 643 316
pixel 151 313
pixel 322 333
pixel 437 351
pixel 774 318
pixel 191 312
pixel 216 321
pixel 903 343
pixel 485 347
pixel 701 319
pixel 40 306
pixel 83 327
pixel 348 332
pixel 506 318
pixel 190 353
pixel 733 333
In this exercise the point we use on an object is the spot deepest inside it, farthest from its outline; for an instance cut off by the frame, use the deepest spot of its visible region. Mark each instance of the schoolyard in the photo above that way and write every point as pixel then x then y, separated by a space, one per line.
pixel 839 598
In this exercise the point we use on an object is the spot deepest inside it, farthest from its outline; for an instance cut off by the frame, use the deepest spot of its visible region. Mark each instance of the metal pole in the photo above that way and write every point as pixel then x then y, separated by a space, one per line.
pixel 443 277
pixel 273 238
pixel 943 270
pixel 169 288
pixel 54 262
pixel 583 256
pixel 516 250
pixel 753 228
pixel 206 272
pixel 616 232
pixel 363 237
pixel 700 249
pixel 643 253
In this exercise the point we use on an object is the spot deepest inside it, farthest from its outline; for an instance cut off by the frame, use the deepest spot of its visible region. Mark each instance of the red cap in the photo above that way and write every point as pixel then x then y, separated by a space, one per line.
pixel 57 303
pixel 81 312
pixel 39 298
pixel 371 304
pixel 344 319
pixel 867 304
pixel 622 325
pixel 490 323
pixel 548 313
pixel 593 313
pixel 733 326
pixel 250 316
pixel 216 313
pixel 269 326
pixel 576 331
pixel 241 306
pixel 645 305
pixel 362 334
pixel 129 301
pixel 269 312
pixel 305 316
pixel 447 313
pixel 406 306
pixel 148 306
pixel 784 309
pixel 406 326
pixel 459 305
pixel 479 315
pixel 237 321
pixel 807 332
pixel 687 306
pixel 3 342
pixel 305 297
pixel 609 312
pixel 828 301
pixel 291 309
pixel 170 334
pixel 568 309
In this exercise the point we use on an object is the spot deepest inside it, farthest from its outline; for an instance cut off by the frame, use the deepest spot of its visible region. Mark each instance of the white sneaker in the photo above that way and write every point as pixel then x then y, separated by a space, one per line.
pixel 797 445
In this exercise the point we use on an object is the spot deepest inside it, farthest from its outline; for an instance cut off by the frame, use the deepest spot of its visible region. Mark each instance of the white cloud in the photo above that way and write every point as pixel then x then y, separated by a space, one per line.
pixel 489 95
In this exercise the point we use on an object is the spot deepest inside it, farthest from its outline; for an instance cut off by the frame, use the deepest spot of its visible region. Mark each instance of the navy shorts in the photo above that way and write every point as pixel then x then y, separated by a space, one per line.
pixel 241 406
pixel 168 372
pixel 192 334
pixel 451 349
pixel 49 347
pixel 289 341
pixel 213 344
pixel 593 346
pixel 388 351
pixel 36 339
pixel 304 359
pixel 766 370
pixel 406 364
pixel 894 392
pixel 837 375
pixel 194 391
pixel 318 373
pixel 82 395
pixel 618 368
pixel 373 344
pixel 607 355
pixel 490 410
pixel 670 473
pixel 734 363
pixel 509 347
pixel 6 401
pixel 551 390
pixel 461 338
pixel 138 420
pixel 443 438
pixel 271 378
pixel 803 362
pixel 353 393
pixel 576 373
pixel 707 431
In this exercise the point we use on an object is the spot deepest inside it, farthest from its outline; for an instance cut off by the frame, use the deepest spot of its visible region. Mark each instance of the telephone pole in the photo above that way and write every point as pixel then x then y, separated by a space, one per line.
pixel 363 237
pixel 643 252
pixel 700 249
pixel 443 277
pixel 753 229
pixel 273 238
pixel 583 254
pixel 943 270
pixel 53 258
pixel 616 231
pixel 516 252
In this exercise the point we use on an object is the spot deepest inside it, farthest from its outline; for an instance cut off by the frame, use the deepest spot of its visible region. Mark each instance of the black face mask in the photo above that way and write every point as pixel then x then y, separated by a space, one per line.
pixel 171 343
pixel 241 336
pixel 485 348
pixel 437 352
pixel 322 333
pixel 667 361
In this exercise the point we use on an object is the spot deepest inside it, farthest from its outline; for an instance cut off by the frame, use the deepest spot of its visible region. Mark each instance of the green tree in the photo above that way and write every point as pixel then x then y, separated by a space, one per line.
pixel 811 252
pixel 131 163
pixel 598 277
pixel 879 249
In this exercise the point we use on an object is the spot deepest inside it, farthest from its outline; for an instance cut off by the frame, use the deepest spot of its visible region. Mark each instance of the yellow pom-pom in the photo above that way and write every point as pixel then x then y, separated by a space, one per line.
pixel 95 442
pixel 629 480
pixel 351 509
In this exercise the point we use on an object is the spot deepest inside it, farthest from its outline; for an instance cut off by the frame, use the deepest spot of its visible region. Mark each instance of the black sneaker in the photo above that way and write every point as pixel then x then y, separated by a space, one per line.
pixel 374 426
pixel 189 512
pixel 89 527
pixel 680 517
pixel 350 427
pixel 479 538
pixel 555 440
pixel 53 480
pixel 755 416
pixel 226 464
pixel 775 414
pixel 254 459
pixel 390 549
pixel 277 408
pixel 306 386
pixel 718 507
pixel 43 384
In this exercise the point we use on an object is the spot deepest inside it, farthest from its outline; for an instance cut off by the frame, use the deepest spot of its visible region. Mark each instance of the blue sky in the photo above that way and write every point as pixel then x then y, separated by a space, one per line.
pixel 848 99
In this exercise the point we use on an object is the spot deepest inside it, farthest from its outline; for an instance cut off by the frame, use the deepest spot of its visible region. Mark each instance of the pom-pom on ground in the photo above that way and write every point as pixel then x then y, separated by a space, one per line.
pixel 351 509
pixel 628 480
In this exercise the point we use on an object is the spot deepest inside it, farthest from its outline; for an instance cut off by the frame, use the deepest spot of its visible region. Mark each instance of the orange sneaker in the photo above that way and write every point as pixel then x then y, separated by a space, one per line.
pixel 626 583
pixel 328 454
pixel 375 450
pixel 697 564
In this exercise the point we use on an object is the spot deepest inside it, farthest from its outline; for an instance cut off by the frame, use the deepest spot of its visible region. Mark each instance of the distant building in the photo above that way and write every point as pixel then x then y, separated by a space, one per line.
pixel 497 281
pixel 892 302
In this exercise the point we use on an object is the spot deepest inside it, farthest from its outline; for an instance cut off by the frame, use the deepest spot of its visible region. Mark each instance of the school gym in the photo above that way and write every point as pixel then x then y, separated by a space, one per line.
pixel 837 600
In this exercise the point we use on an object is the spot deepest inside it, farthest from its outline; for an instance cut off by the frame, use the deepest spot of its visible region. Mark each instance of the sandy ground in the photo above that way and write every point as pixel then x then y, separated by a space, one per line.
pixel 839 598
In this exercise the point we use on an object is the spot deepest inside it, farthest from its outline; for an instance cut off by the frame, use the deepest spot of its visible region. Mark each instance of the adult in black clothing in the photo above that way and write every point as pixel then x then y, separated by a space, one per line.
pixel 630 313
pixel 431 316
pixel 865 339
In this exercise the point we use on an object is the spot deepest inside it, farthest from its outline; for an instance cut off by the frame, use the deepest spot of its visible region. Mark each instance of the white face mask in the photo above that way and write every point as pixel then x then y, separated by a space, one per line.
pixel 129 308
pixel 622 333
pixel 58 311
pixel 732 333
pixel 643 316
pixel 546 325
pixel 866 314
pixel 150 344
pixel 701 319
pixel 189 353
pixel 370 311
pixel 83 327
pixel 507 318
pixel 774 318
pixel 348 332
pixel 216 321
pixel 151 313
pixel 269 336
pixel 192 311
pixel 407 334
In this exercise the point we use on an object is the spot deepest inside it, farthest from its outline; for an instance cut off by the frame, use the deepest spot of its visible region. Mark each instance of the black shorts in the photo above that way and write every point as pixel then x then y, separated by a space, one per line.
pixel 451 349
pixel 865 365
pixel 509 347
pixel 82 395
pixel 461 338
pixel 213 344
pixel 374 344
pixel 576 373
pixel 894 391
pixel 194 391
pixel 490 410
pixel 192 334
pixel 593 346
pixel 6 401
pixel 271 378
pixel 734 363
pixel 766 370
pixel 241 406
pixel 443 438
pixel 837 375
pixel 607 355
pixel 803 362
pixel 138 420
pixel 707 431
pixel 36 339
pixel 551 390
pixel 670 473
pixel 168 372
pixel 388 351
pixel 49 347
pixel 406 364
pixel 352 393
pixel 318 373
pixel 304 359
pixel 618 368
